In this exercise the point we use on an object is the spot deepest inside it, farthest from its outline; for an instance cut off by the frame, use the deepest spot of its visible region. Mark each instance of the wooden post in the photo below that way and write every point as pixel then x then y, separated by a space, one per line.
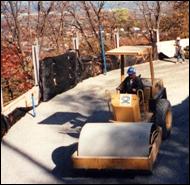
pixel 151 68
pixel 122 68
pixel 157 40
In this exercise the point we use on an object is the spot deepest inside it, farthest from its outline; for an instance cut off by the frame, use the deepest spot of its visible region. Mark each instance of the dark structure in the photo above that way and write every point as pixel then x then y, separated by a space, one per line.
pixel 58 74
pixel 63 72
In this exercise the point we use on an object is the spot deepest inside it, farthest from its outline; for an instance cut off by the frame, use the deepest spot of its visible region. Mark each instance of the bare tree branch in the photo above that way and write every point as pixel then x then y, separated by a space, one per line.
pixel 80 27
pixel 151 14
pixel 14 11
pixel 89 18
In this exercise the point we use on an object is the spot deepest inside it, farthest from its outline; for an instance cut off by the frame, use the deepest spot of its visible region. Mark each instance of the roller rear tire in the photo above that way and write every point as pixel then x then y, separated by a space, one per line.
pixel 163 117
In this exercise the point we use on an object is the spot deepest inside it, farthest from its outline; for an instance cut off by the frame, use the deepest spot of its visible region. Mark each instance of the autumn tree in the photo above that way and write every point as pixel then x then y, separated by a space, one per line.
pixel 15 79
pixel 11 11
pixel 175 21
pixel 151 12
pixel 87 17
pixel 16 71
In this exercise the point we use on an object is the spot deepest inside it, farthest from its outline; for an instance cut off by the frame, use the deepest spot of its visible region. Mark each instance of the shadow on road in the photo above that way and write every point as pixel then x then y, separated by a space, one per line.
pixel 62 159
pixel 173 157
pixel 60 118
pixel 171 165
pixel 169 60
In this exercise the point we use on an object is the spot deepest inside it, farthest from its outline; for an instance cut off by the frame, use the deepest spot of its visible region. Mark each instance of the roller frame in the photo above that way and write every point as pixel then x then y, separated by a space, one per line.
pixel 120 163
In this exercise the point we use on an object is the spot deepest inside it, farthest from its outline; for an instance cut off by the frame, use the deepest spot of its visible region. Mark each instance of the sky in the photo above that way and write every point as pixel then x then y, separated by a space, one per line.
pixel 119 4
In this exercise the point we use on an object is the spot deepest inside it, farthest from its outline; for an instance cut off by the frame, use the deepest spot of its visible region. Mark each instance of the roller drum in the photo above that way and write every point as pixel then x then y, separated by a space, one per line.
pixel 115 140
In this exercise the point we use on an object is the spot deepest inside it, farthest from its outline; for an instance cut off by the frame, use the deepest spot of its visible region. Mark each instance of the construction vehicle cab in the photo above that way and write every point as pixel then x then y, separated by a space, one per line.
pixel 129 107
pixel 132 139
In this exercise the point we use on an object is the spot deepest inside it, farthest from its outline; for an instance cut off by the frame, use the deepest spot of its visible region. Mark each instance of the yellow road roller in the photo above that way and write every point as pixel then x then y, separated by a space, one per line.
pixel 139 123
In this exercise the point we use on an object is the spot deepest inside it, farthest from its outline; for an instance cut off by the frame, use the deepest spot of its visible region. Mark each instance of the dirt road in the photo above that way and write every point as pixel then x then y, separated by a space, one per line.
pixel 37 150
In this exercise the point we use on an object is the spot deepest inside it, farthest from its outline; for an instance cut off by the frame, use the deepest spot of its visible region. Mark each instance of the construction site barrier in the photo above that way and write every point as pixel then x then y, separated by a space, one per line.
pixel 58 74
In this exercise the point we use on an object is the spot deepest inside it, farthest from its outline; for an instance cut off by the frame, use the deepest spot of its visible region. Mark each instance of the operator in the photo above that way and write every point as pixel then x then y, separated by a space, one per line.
pixel 132 83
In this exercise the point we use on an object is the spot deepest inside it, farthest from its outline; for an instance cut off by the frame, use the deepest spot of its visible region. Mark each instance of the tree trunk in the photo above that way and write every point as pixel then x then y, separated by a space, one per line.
pixel 154 46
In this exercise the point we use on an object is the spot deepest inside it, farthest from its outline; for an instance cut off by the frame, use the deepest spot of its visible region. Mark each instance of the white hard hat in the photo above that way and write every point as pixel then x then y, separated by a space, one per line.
pixel 178 38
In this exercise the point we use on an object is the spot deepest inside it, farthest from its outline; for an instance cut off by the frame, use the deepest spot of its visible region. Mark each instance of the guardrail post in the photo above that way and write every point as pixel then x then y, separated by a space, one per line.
pixel 116 38
pixel 35 59
pixel 33 105
pixel 76 42
pixel 102 48
pixel 1 100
